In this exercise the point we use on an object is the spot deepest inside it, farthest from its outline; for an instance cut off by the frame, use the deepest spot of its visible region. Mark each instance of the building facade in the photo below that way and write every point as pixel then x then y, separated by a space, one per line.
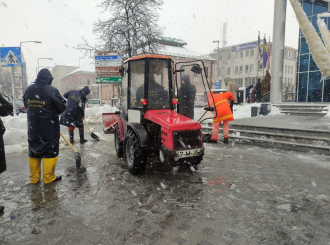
pixel 311 87
pixel 241 63
pixel 58 72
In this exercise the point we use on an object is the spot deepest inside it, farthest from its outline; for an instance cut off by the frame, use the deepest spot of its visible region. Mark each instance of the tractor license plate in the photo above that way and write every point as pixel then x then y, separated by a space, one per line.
pixel 189 153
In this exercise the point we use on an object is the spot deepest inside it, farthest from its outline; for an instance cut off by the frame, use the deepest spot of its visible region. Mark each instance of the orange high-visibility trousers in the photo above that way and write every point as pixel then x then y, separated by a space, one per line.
pixel 215 129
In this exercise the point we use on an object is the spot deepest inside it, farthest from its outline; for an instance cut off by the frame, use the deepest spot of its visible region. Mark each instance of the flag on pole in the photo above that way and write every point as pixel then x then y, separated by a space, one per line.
pixel 265 55
pixel 260 53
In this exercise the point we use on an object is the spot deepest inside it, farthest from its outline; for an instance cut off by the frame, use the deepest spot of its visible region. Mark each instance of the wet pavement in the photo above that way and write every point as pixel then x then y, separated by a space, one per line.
pixel 239 195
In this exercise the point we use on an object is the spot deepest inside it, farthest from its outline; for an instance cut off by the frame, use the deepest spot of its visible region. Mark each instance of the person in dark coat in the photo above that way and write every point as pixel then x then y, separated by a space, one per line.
pixel 75 112
pixel 186 95
pixel 258 91
pixel 5 109
pixel 248 93
pixel 44 104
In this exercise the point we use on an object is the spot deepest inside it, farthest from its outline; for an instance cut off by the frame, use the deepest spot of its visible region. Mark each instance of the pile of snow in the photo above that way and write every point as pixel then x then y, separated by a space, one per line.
pixel 93 115
pixel 15 137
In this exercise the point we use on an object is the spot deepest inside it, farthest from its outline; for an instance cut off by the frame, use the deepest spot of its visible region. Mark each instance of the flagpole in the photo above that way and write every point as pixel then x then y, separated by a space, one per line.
pixel 258 56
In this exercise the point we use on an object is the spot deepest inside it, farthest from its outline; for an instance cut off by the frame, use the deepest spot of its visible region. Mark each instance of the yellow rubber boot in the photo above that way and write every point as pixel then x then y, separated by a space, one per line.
pixel 49 165
pixel 35 169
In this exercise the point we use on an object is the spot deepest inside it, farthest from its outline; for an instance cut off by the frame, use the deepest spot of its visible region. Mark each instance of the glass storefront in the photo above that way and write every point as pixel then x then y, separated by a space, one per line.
pixel 310 85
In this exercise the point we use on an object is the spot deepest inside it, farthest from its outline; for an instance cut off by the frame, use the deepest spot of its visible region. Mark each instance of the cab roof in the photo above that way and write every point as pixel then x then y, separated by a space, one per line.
pixel 150 56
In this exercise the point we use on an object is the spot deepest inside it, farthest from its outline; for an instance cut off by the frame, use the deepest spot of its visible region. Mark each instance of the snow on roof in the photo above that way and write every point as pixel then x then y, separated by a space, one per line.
pixel 87 68
pixel 181 52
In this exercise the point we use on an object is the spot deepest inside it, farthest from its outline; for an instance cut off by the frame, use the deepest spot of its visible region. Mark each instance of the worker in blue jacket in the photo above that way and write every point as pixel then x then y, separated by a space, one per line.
pixel 44 104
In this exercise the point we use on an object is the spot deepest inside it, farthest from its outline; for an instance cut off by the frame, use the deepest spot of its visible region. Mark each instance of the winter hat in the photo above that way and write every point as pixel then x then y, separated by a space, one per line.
pixel 227 79
pixel 186 78
pixel 85 91
pixel 44 74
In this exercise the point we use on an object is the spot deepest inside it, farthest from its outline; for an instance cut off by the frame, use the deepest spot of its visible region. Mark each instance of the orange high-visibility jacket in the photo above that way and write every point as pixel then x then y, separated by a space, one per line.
pixel 222 106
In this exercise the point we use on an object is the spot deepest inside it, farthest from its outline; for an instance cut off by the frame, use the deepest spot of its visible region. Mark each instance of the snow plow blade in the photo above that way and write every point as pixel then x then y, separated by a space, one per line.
pixel 109 121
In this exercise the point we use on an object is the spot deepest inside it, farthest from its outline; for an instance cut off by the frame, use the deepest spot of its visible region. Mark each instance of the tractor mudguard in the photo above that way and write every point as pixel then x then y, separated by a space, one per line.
pixel 140 132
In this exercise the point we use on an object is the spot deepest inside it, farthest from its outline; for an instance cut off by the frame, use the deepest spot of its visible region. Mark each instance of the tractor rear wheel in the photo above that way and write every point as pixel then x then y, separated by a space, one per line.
pixel 118 144
pixel 135 155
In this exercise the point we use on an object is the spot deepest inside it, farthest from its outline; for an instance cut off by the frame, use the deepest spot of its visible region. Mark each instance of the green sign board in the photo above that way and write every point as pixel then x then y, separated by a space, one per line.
pixel 108 79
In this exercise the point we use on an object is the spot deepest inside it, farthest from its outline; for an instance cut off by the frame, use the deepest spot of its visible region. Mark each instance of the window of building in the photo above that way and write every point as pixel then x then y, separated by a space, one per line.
pixel 241 54
pixel 246 68
pixel 241 69
pixel 228 71
pixel 247 53
pixel 260 67
pixel 291 69
pixel 236 54
pixel 229 56
pixel 252 53
pixel 286 54
pixel 88 82
pixel 251 67
pixel 239 82
pixel 286 67
pixel 236 69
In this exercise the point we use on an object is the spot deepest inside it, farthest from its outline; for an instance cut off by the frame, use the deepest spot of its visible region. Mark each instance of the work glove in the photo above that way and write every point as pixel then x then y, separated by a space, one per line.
pixel 209 108
pixel 231 106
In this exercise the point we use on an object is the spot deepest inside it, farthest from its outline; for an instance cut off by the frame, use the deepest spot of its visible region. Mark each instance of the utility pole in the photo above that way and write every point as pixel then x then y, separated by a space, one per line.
pixel 278 51
pixel 13 88
pixel 218 64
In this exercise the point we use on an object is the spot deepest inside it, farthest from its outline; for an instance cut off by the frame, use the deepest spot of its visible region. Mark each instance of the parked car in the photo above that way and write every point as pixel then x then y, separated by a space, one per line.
pixel 93 103
pixel 20 108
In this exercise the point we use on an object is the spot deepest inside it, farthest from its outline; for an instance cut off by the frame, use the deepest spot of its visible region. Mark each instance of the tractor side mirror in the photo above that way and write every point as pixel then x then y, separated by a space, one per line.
pixel 121 71
pixel 196 69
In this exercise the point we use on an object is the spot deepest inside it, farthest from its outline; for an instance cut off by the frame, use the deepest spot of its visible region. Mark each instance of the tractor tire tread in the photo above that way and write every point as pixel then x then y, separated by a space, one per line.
pixel 120 151
pixel 139 155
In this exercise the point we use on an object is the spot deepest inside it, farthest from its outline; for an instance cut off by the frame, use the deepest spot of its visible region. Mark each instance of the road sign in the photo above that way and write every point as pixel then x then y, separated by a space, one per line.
pixel 108 57
pixel 107 69
pixel 99 63
pixel 108 74
pixel 108 79
pixel 217 85
pixel 107 66
pixel 10 56
pixel 107 52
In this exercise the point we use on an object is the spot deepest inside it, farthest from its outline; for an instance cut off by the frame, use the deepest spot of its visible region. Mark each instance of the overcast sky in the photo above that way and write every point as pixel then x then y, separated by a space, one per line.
pixel 60 24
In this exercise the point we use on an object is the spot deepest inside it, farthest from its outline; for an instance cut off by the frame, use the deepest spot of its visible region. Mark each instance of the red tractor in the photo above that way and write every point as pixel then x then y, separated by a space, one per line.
pixel 152 116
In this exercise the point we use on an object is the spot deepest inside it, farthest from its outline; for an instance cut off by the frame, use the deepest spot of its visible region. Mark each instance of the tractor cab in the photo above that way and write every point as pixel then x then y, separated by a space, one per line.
pixel 158 112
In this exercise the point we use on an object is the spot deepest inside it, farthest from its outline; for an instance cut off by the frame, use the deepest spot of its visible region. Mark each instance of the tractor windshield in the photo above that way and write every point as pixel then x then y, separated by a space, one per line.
pixel 193 90
pixel 158 84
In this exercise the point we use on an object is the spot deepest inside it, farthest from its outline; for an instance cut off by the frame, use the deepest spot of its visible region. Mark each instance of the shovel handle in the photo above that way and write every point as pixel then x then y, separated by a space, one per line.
pixel 87 127
pixel 68 142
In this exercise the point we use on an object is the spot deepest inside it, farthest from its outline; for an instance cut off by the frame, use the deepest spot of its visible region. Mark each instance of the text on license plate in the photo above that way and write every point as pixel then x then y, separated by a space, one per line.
pixel 189 153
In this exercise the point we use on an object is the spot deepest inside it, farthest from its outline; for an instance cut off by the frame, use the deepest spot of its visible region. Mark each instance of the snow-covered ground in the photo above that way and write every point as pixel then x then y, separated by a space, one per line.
pixel 94 114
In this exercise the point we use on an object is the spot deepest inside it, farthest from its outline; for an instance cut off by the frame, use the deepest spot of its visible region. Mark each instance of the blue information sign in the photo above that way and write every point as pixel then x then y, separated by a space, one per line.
pixel 217 85
pixel 10 56
pixel 107 58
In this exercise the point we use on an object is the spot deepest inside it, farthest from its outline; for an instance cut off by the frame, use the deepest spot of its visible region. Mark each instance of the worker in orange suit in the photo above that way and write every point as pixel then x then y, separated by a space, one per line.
pixel 224 114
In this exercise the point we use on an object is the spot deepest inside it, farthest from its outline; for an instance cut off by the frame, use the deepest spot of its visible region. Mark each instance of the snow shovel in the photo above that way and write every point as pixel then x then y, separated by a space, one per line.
pixel 76 153
pixel 94 136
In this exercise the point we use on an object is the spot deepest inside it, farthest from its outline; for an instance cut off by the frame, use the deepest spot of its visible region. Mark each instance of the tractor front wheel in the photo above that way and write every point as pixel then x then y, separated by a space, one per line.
pixel 118 143
pixel 135 156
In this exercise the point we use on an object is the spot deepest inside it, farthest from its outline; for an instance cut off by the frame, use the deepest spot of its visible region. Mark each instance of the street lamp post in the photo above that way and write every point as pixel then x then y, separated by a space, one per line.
pixel 218 64
pixel 43 59
pixel 20 48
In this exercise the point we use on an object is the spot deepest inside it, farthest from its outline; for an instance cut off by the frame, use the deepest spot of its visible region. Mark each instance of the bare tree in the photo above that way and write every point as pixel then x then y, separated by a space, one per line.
pixel 132 27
